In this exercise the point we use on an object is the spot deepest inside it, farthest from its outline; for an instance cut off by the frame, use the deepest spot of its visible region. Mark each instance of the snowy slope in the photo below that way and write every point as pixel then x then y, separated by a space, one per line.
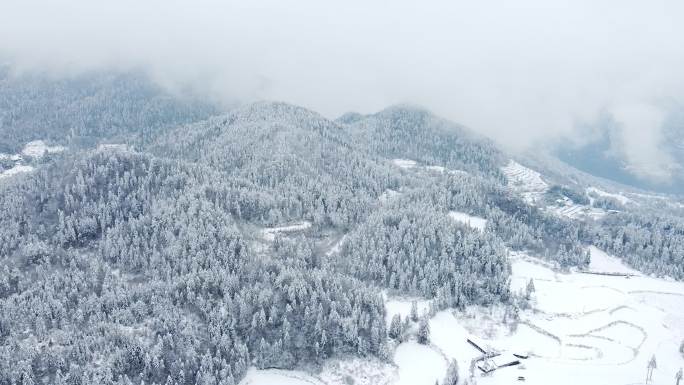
pixel 582 328
pixel 525 181
pixel 38 148
pixel 270 233
pixel 17 169
pixel 619 197
pixel 469 220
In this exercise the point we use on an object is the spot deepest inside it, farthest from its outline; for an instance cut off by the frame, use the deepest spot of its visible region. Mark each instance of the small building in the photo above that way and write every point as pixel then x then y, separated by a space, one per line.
pixel 504 360
pixel 488 365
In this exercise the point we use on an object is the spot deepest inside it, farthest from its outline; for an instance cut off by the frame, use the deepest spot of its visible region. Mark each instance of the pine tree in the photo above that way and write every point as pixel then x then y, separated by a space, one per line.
pixel 529 289
pixel 414 311
pixel 395 327
pixel 452 375
pixel 424 331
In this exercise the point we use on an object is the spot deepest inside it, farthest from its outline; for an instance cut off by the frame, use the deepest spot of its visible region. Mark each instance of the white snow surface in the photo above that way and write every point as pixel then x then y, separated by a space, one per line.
pixel 363 371
pixel 12 157
pixel 594 329
pixel 112 147
pixel 270 233
pixel 418 364
pixel 619 197
pixel 469 220
pixel 412 164
pixel 603 262
pixel 404 163
pixel 388 195
pixel 581 328
pixel 444 170
pixel 17 169
pixel 38 148
pixel 402 306
pixel 278 377
pixel 337 246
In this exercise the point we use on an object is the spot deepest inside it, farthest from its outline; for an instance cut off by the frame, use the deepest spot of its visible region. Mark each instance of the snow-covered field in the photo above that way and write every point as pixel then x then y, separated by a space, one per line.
pixel 388 195
pixel 404 163
pixel 418 364
pixel 270 233
pixel 402 306
pixel 469 220
pixel 13 157
pixel 356 371
pixel 526 181
pixel 38 148
pixel 444 170
pixel 605 328
pixel 278 377
pixel 619 197
pixel 581 328
pixel 17 169
pixel 35 149
pixel 412 164
pixel 112 147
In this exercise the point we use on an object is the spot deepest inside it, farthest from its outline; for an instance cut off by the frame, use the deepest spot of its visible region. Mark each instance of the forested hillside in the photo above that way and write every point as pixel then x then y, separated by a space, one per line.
pixel 83 110
pixel 207 250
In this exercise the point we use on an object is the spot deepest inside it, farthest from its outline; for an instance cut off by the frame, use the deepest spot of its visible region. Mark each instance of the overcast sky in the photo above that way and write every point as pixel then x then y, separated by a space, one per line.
pixel 522 71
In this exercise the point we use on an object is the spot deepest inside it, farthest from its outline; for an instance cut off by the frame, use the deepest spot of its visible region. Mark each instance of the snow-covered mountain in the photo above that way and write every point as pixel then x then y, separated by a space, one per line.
pixel 269 244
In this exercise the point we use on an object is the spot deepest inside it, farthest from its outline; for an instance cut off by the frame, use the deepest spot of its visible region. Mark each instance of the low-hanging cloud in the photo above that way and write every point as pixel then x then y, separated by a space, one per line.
pixel 523 72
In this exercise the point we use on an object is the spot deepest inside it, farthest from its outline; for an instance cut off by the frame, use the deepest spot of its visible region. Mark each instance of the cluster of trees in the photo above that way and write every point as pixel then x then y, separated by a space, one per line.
pixel 417 250
pixel 520 225
pixel 290 163
pixel 121 267
pixel 607 203
pixel 650 242
pixel 125 267
pixel 559 192
pixel 413 133
pixel 85 109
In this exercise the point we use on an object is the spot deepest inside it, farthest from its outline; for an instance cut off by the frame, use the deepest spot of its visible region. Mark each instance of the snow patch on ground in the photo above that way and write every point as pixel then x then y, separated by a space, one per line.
pixel 278 377
pixel 17 169
pixel 388 195
pixel 12 157
pixel 270 233
pixel 444 170
pixel 112 147
pixel 402 306
pixel 337 246
pixel 469 220
pixel 356 371
pixel 412 164
pixel 619 197
pixel 418 364
pixel 38 148
pixel 439 169
pixel 605 263
pixel 362 371
pixel 404 163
